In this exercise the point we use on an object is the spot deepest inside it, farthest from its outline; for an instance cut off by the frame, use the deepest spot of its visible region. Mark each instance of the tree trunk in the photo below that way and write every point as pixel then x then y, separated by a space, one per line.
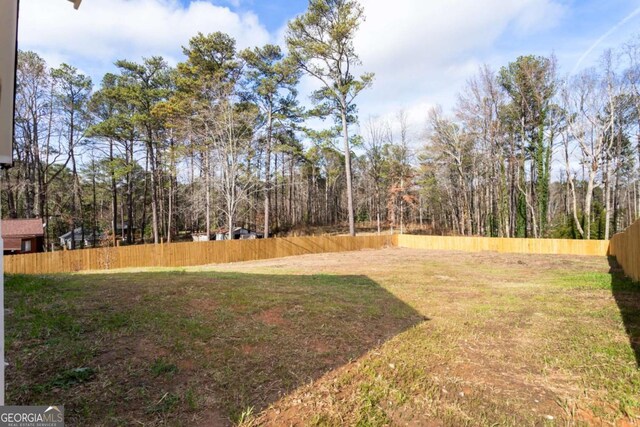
pixel 130 219
pixel 587 203
pixel 607 197
pixel 145 198
pixel 114 195
pixel 95 213
pixel 207 180
pixel 267 174
pixel 154 188
pixel 347 163
pixel 276 209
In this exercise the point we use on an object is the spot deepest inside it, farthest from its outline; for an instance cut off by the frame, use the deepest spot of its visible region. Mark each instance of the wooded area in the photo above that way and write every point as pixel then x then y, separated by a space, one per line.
pixel 154 153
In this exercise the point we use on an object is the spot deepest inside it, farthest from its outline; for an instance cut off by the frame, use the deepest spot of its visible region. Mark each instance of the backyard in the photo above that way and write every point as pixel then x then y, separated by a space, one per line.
pixel 375 337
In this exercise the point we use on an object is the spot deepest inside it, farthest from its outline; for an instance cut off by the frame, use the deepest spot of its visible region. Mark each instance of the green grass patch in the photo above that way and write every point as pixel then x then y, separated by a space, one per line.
pixel 162 367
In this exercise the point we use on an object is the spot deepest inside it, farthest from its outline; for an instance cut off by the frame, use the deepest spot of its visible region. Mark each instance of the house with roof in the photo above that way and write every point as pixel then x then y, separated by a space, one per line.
pixel 22 236
pixel 239 233
pixel 81 241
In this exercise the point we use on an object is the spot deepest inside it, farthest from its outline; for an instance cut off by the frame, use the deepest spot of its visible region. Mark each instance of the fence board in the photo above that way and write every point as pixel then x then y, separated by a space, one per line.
pixel 625 247
pixel 185 254
pixel 505 245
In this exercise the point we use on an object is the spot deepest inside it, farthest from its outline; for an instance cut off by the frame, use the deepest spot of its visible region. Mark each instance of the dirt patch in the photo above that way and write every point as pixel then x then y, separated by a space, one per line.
pixel 247 349
pixel 272 317
pixel 210 418
pixel 204 304
pixel 129 347
pixel 186 365
pixel 145 348
pixel 320 346
pixel 507 381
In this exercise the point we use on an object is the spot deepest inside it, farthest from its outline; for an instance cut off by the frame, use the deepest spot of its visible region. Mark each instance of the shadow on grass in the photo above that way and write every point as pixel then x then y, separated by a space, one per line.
pixel 186 348
pixel 627 296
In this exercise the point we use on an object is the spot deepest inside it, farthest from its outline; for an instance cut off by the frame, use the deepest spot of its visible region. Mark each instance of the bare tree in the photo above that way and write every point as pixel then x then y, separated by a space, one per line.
pixel 585 101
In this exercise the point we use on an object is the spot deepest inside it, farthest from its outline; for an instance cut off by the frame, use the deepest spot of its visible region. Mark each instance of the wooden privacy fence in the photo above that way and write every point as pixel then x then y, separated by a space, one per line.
pixel 185 254
pixel 625 247
pixel 505 245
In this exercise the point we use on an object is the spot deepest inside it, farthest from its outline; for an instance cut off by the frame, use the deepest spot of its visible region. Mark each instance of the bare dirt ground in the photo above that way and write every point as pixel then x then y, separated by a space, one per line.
pixel 377 337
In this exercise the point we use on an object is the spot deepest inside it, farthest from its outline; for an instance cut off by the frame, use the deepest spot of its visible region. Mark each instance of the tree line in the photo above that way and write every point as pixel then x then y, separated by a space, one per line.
pixel 221 140
pixel 527 153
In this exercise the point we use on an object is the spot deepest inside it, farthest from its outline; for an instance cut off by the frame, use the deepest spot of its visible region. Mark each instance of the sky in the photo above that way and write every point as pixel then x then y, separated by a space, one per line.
pixel 421 51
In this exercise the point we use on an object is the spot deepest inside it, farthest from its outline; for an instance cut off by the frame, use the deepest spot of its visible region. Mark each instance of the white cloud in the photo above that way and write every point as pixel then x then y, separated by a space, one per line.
pixel 102 31
pixel 423 51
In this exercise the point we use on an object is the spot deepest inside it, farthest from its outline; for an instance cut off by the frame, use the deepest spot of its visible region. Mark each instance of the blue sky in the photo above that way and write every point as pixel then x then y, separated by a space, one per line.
pixel 422 51
pixel 582 23
pixel 273 14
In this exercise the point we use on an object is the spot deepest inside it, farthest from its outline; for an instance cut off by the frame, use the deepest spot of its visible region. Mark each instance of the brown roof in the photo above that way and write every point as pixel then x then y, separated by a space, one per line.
pixel 22 227
pixel 12 244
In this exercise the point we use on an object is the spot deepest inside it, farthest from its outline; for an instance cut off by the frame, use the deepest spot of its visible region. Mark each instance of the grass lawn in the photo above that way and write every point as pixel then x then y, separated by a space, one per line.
pixel 389 337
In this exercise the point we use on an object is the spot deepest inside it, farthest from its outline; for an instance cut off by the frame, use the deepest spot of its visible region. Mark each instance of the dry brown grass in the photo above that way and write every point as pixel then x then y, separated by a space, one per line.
pixel 390 337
